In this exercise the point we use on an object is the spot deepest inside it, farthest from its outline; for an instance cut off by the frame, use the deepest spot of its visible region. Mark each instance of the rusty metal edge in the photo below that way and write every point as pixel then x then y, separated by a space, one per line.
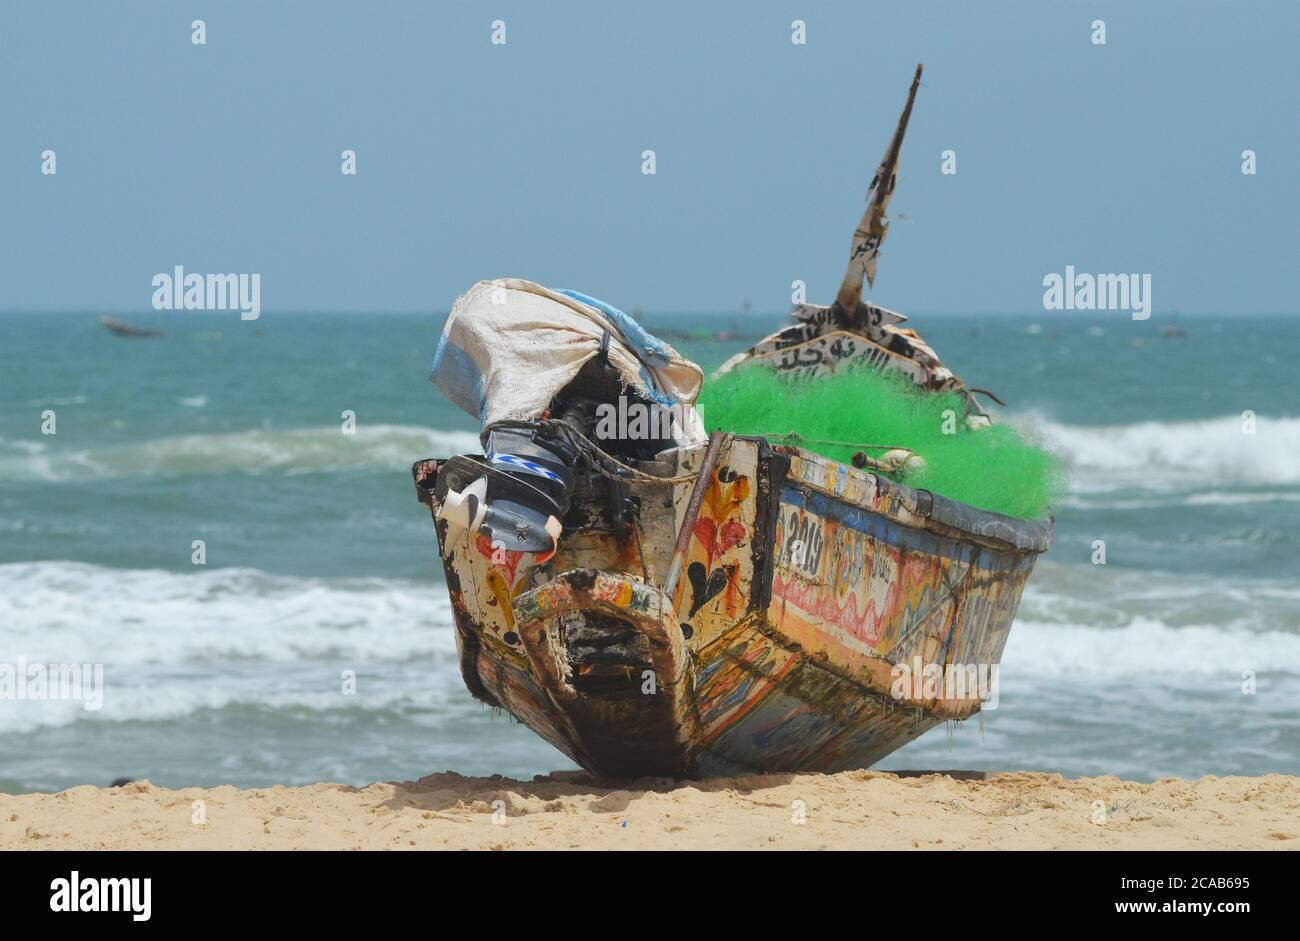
pixel 774 469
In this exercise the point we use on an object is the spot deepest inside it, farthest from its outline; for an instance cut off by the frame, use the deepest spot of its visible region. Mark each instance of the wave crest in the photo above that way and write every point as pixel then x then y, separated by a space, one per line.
pixel 1162 454
pixel 258 451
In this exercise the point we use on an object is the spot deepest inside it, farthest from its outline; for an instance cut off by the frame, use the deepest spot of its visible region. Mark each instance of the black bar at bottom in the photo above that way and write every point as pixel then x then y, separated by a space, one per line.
pixel 332 890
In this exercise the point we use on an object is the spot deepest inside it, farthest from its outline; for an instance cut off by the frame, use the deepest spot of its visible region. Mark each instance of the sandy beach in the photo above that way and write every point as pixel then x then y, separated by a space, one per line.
pixel 853 810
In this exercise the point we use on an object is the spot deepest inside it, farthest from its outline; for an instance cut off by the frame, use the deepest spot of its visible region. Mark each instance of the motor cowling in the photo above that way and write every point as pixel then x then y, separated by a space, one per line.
pixel 523 494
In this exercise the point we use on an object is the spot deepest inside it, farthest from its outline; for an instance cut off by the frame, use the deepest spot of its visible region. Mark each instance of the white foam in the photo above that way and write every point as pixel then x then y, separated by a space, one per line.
pixel 258 451
pixel 171 644
pixel 136 695
pixel 74 612
pixel 1109 623
pixel 1153 455
pixel 1149 648
pixel 1097 499
pixel 1109 595
pixel 175 643
pixel 59 400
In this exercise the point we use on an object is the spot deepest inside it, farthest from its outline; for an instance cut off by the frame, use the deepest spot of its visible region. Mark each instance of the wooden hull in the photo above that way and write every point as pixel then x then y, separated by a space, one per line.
pixel 805 583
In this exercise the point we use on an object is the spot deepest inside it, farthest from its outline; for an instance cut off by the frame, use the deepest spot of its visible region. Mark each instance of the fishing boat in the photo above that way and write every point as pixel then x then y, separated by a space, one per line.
pixel 122 329
pixel 676 603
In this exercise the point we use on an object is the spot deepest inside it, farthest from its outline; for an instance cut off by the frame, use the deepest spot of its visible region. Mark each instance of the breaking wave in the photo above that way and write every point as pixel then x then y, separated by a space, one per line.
pixel 1149 648
pixel 258 451
pixel 57 611
pixel 1147 455
pixel 1084 621
pixel 172 643
pixel 1155 456
pixel 1166 455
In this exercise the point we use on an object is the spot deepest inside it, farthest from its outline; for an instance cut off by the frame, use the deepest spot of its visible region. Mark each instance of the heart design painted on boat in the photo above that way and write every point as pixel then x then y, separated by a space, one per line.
pixel 702 590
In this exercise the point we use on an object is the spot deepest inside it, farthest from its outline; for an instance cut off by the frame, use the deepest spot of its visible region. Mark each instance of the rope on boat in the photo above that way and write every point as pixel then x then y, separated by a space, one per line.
pixel 595 453
pixel 794 436
pixel 625 471
pixel 587 446
pixel 988 393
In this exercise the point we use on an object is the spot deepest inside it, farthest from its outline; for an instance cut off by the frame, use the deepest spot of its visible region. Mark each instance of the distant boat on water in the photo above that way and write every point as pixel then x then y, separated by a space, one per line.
pixel 733 334
pixel 1171 330
pixel 127 330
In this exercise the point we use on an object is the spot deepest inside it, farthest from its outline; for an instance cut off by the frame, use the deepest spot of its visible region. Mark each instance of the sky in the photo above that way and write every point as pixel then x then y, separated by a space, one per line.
pixel 477 160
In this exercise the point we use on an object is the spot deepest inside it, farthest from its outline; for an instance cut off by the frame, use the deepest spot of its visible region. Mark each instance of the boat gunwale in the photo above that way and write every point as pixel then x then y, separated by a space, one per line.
pixel 959 520
pixel 954 518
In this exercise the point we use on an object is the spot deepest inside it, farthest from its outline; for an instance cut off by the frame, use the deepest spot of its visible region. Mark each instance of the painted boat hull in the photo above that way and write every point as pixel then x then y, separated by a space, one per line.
pixel 805 583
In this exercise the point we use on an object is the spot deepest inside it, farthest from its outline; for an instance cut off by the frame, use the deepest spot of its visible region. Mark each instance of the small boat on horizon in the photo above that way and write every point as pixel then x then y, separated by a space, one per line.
pixel 118 328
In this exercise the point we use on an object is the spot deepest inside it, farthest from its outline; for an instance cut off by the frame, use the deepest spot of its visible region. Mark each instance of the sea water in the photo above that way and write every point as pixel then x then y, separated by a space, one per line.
pixel 1179 656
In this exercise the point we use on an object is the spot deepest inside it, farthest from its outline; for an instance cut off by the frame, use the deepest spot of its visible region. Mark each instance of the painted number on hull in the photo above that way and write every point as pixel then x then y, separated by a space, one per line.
pixel 802 542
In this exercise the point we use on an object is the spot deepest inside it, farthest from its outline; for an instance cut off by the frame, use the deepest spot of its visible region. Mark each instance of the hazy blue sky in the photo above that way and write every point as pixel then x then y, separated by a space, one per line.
pixel 524 160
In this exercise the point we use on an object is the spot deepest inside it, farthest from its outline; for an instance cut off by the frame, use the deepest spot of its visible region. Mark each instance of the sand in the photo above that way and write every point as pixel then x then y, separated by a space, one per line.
pixel 853 810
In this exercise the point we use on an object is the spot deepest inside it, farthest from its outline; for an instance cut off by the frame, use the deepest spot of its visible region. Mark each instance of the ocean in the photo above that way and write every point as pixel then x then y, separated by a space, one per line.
pixel 1180 656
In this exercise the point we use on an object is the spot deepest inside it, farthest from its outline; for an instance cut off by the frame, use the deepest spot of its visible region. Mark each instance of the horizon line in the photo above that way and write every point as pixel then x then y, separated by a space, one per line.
pixel 412 312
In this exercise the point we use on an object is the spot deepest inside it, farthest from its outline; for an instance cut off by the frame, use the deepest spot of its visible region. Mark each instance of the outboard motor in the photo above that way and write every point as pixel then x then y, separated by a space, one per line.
pixel 517 503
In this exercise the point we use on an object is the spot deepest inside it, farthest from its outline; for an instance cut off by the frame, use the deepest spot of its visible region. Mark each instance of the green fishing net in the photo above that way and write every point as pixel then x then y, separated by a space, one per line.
pixel 993 468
